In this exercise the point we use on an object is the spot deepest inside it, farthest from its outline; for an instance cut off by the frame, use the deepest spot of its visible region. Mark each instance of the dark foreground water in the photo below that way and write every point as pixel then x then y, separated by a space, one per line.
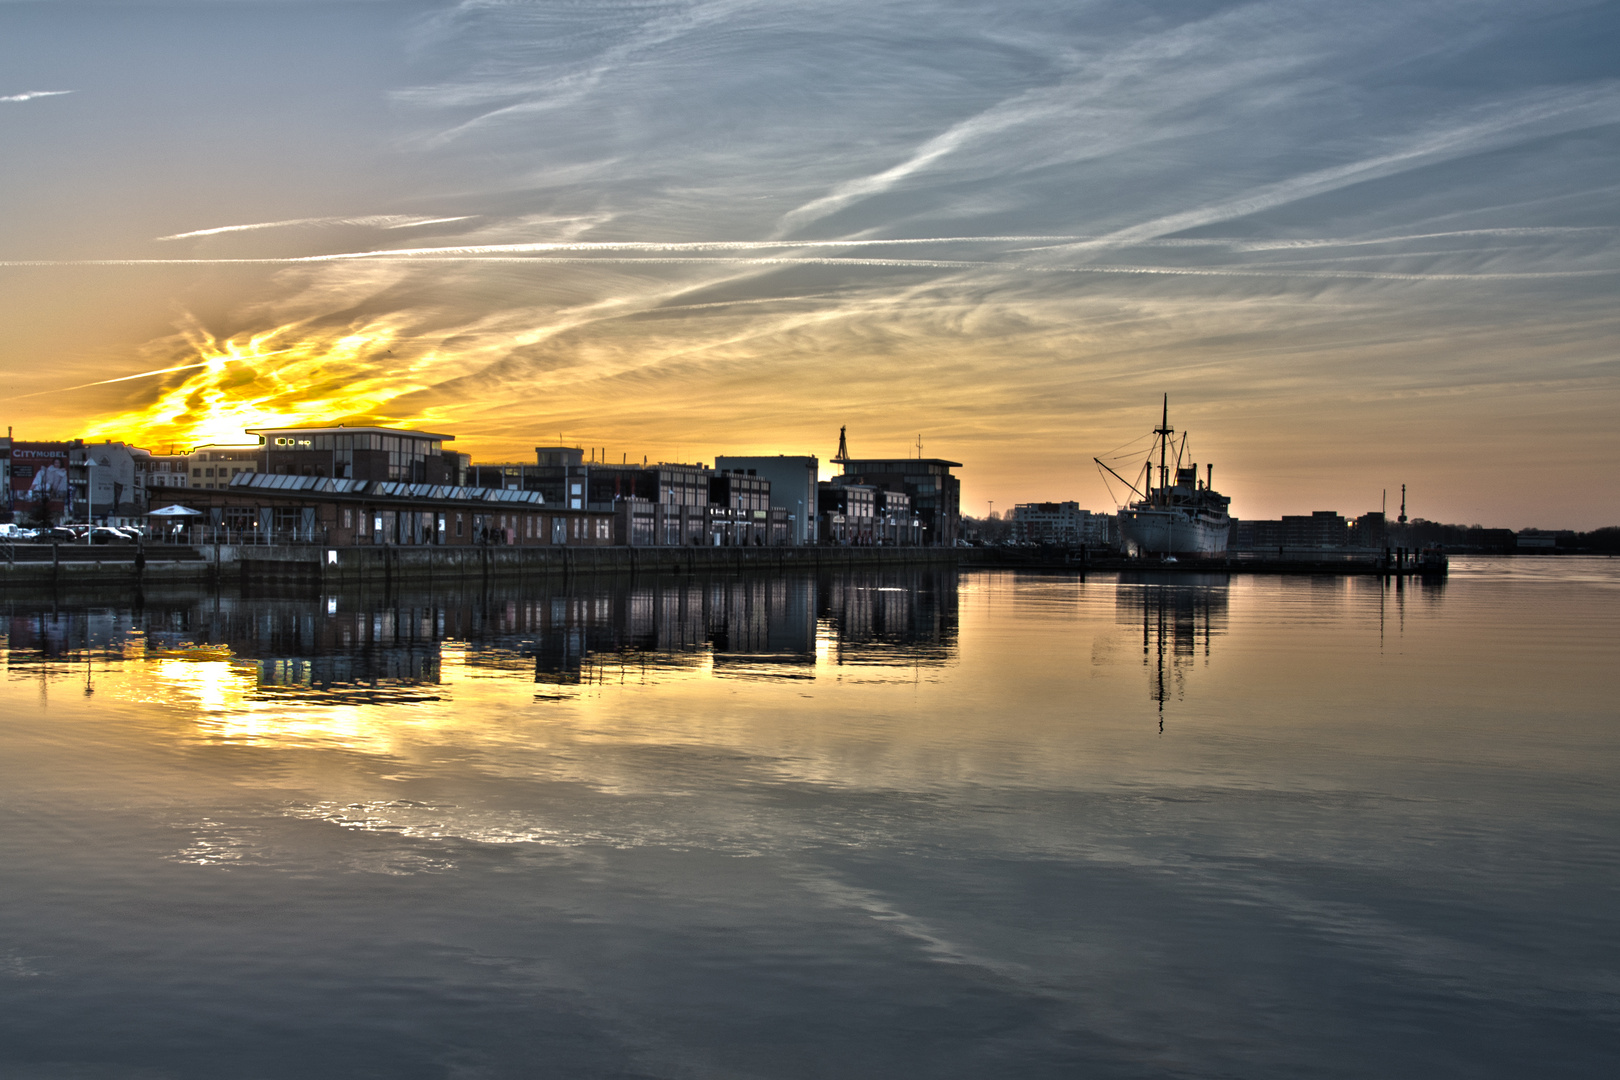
pixel 900 824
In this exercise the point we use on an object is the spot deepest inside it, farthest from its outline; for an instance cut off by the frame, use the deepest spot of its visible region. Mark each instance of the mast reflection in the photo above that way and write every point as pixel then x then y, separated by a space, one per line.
pixel 1178 615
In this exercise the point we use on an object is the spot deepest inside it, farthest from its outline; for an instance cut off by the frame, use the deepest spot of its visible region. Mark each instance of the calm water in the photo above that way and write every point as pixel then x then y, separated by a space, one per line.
pixel 900 824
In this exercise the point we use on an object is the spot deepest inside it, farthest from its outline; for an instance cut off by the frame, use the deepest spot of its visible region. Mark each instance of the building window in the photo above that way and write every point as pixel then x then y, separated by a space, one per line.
pixel 348 517
pixel 458 524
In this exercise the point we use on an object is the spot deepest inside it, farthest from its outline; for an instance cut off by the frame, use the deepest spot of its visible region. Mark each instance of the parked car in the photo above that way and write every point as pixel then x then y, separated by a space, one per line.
pixel 58 533
pixel 106 534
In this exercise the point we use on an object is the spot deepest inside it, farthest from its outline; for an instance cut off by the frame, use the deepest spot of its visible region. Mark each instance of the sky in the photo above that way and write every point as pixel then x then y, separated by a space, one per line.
pixel 1358 245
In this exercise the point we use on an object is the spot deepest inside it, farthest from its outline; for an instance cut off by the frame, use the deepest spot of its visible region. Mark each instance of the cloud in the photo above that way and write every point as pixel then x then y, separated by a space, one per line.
pixel 756 219
pixel 372 221
pixel 1025 109
pixel 1541 115
pixel 32 95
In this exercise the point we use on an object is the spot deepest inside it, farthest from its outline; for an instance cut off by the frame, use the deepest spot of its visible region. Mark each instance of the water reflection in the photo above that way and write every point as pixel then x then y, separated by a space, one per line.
pixel 344 650
pixel 1179 615
pixel 835 821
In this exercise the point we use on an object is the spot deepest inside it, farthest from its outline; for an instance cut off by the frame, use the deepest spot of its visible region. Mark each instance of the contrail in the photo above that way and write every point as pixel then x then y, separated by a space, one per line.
pixel 684 245
pixel 377 221
pixel 449 255
pixel 32 94
pixel 149 374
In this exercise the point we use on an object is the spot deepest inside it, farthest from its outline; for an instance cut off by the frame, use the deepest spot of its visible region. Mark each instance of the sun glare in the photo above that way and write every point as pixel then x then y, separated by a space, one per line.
pixel 282 377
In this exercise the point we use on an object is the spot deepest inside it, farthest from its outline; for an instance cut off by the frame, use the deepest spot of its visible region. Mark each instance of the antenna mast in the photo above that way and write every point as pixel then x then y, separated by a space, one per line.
pixel 842 457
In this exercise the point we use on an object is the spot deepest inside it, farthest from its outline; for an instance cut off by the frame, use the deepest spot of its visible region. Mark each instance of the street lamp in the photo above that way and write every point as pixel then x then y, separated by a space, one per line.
pixel 90 500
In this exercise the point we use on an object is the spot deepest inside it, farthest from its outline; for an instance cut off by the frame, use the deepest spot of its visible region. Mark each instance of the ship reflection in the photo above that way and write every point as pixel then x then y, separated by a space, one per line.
pixel 1178 616
pixel 343 650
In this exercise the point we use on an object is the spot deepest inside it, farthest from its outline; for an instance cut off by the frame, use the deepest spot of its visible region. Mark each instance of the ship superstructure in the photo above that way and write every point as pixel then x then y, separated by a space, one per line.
pixel 1187 518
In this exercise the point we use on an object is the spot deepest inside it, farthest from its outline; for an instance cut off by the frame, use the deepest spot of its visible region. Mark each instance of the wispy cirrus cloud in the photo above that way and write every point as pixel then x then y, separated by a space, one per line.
pixel 1543 115
pixel 1006 224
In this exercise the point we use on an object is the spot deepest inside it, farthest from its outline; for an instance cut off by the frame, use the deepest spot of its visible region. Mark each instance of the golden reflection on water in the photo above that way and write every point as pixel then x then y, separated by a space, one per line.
pixel 382 678
pixel 835 678
pixel 687 690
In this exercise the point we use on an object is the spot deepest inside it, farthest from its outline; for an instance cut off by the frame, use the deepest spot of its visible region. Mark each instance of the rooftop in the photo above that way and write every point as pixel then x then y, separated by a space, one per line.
pixel 852 464
pixel 334 429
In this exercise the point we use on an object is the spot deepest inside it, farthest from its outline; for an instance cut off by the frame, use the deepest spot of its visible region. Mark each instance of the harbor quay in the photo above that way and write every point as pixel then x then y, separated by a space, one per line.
pixel 309 569
pixel 306 569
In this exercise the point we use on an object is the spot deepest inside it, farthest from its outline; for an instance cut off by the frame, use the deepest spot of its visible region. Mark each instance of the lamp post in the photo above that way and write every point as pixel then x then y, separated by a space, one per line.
pixel 90 500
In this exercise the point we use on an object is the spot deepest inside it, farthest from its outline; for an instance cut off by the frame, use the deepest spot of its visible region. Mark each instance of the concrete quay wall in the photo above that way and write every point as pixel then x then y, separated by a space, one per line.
pixel 36 567
pixel 332 569
pixel 308 569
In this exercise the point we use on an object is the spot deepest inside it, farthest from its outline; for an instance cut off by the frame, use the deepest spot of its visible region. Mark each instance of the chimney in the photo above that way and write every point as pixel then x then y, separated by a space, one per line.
pixel 1210 483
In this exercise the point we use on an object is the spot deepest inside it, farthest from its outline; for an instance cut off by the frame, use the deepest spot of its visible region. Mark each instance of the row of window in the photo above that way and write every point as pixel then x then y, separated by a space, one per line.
pixel 199 477
pixel 528 526
pixel 394 444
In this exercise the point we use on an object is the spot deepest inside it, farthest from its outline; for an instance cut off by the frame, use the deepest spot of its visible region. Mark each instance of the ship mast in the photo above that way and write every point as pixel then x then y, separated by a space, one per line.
pixel 1163 431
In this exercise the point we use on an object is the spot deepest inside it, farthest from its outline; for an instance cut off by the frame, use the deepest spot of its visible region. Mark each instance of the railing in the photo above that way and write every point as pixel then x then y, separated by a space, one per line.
pixel 1305 553
pixel 225 536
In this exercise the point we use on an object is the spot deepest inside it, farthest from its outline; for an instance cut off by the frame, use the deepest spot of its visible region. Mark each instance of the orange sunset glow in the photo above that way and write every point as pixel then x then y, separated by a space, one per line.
pixel 674 250
pixel 277 377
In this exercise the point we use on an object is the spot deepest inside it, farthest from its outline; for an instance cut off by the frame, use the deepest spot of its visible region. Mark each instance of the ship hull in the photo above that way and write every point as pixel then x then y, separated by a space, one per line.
pixel 1167 531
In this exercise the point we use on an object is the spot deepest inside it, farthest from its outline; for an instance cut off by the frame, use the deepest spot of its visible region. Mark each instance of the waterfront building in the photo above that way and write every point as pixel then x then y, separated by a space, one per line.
pixel 1323 530
pixel 848 511
pixel 343 484
pixel 1063 524
pixel 1370 531
pixel 358 453
pixel 215 465
pixel 740 509
pixel 116 484
pixel 508 476
pixel 667 504
pixel 793 487
pixel 339 512
pixel 44 481
pixel 1535 540
pixel 936 494
pixel 166 474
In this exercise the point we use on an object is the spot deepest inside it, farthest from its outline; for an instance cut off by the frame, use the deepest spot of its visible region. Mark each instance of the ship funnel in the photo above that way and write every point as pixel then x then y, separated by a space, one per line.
pixel 1210 483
